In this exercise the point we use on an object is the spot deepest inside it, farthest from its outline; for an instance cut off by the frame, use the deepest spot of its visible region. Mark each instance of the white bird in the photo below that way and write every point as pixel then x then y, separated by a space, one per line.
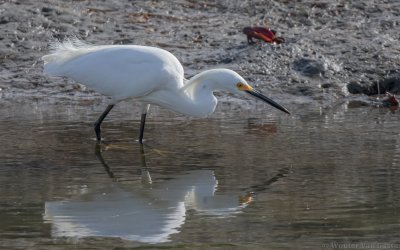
pixel 148 74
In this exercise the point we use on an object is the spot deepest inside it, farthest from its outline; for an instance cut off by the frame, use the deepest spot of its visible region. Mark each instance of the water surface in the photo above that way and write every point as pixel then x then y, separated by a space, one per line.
pixel 245 179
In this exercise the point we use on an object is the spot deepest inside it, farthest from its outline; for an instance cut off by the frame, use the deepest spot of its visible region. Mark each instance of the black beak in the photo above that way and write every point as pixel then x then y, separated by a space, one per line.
pixel 267 100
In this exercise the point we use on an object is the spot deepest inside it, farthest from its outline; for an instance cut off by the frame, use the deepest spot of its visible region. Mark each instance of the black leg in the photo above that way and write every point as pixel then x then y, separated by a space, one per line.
pixel 145 108
pixel 142 122
pixel 100 120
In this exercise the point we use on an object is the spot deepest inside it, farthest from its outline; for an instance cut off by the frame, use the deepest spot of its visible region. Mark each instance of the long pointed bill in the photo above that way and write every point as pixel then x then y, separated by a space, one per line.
pixel 271 102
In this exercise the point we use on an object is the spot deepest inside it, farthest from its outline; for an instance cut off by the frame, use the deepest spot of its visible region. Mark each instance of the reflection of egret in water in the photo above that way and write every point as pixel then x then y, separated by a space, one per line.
pixel 149 213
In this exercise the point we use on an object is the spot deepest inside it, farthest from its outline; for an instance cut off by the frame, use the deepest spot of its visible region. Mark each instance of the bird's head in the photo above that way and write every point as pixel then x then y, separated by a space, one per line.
pixel 243 87
pixel 226 79
pixel 237 85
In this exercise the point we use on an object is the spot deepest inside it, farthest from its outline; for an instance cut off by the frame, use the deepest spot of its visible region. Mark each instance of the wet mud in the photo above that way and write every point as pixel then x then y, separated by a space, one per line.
pixel 329 46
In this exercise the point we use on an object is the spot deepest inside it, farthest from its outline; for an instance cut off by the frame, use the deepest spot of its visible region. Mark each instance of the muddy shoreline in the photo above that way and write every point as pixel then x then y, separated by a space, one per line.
pixel 329 45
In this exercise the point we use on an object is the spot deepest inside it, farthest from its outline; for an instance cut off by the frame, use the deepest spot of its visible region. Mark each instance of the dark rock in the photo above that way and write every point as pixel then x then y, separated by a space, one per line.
pixel 390 84
pixel 309 67
pixel 46 9
pixel 356 88
pixel 326 85
pixel 4 20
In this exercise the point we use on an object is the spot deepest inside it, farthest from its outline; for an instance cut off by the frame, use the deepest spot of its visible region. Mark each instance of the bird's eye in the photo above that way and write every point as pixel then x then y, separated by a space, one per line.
pixel 240 85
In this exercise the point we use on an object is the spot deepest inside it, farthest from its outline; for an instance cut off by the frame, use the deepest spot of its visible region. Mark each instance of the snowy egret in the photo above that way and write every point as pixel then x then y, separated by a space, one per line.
pixel 148 74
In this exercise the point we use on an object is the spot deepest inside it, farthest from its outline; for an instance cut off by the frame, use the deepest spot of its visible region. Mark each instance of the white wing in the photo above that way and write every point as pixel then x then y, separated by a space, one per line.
pixel 119 71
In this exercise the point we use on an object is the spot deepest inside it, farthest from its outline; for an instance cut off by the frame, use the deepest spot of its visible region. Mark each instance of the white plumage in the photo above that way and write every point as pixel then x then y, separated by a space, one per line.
pixel 116 70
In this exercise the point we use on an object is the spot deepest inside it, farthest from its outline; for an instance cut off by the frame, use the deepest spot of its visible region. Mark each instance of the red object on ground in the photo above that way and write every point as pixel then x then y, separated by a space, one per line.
pixel 391 100
pixel 261 33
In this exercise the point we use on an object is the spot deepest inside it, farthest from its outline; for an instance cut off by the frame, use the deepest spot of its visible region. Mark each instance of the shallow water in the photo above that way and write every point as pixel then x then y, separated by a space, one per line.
pixel 314 180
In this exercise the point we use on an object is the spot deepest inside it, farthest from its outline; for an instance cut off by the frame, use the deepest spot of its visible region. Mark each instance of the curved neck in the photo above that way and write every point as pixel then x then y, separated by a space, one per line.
pixel 198 92
pixel 195 98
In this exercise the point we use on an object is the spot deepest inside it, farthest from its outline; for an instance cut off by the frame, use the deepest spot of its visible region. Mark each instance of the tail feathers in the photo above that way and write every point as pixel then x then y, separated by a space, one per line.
pixel 69 44
pixel 62 52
